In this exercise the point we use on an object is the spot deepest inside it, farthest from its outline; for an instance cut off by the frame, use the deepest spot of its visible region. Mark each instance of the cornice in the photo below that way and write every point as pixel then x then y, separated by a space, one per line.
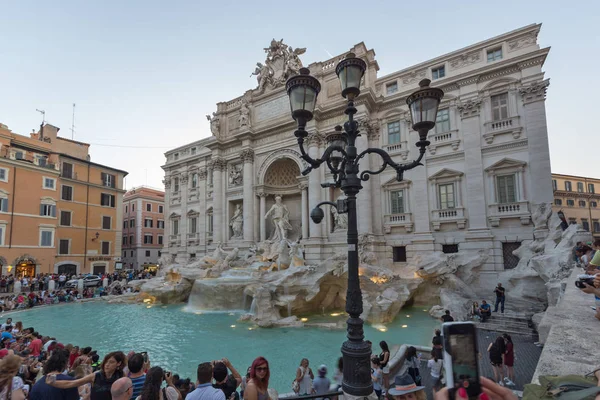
pixel 446 157
pixel 504 146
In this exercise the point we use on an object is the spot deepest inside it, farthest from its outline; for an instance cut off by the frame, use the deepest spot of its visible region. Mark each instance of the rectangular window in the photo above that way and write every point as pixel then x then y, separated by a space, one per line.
pixel 593 204
pixel 439 72
pixel 193 151
pixel 391 88
pixel 505 185
pixel 194 181
pixel 133 207
pixel 159 239
pixel 579 187
pixel 510 260
pixel 46 238
pixel 106 222
pixel 149 207
pixel 572 221
pixel 147 253
pixel 125 224
pixel 107 200
pixel 108 180
pixel 557 202
pixel 554 184
pixel 67 193
pixel 126 210
pixel 48 210
pixel 175 227
pixel 570 202
pixel 160 209
pixel 175 185
pixel 596 224
pixel 49 183
pixel 63 246
pixel 585 224
pixel 591 188
pixel 132 223
pixel 3 175
pixel 160 224
pixel 499 106
pixel 397 201
pixel 449 248
pixel 131 253
pixel 568 186
pixel 210 224
pixel 147 239
pixel 148 223
pixel 131 240
pixel 19 155
pixel 67 170
pixel 65 218
pixel 442 121
pixel 124 241
pixel 176 156
pixel 1 235
pixel 447 199
pixel 393 129
pixel 399 253
pixel 494 54
pixel 105 248
pixel 193 225
pixel 41 160
pixel 581 203
pixel 4 204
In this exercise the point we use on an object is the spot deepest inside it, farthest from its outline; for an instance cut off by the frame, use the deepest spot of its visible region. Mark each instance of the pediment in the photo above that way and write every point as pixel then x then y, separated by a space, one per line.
pixel 174 215
pixel 446 173
pixel 192 212
pixel 506 163
pixel 393 181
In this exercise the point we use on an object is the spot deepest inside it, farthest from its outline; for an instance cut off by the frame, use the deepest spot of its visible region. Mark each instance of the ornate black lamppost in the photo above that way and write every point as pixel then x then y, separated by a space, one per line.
pixel 343 161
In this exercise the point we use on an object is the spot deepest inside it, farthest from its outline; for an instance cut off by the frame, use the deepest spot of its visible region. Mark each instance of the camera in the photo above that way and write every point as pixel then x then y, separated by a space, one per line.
pixel 581 282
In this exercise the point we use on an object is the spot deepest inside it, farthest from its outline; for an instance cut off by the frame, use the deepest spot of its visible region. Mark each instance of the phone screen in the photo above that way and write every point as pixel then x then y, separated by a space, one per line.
pixel 460 345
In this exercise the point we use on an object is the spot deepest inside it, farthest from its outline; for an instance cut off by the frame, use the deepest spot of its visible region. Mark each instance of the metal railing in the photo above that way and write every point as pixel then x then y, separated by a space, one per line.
pixel 328 395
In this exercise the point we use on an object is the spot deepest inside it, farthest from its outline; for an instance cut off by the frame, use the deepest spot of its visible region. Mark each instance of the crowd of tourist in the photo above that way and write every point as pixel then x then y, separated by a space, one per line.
pixel 588 258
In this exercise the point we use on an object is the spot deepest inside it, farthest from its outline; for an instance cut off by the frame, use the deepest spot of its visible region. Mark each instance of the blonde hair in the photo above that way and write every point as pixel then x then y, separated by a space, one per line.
pixel 9 367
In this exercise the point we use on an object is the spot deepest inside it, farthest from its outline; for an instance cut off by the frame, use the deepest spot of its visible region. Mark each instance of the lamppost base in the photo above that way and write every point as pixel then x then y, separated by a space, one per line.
pixel 372 396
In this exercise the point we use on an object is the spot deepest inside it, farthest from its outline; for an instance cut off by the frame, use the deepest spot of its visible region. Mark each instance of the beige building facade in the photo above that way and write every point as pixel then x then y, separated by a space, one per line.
pixel 487 168
pixel 578 198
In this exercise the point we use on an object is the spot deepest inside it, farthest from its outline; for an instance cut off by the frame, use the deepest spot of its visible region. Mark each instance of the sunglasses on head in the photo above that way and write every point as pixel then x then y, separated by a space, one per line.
pixel 262 368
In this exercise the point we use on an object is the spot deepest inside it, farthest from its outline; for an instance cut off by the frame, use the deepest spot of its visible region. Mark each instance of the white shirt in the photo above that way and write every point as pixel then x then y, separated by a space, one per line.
pixel 206 392
pixel 435 367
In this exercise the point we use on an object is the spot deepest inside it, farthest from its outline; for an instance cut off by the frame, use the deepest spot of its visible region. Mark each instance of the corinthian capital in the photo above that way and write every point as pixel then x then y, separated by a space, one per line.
pixel 534 92
pixel 247 155
pixel 218 164
pixel 314 139
pixel 469 108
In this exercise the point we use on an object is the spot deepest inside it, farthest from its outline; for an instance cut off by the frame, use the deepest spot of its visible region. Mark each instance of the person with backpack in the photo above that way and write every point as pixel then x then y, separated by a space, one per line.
pixel 412 363
pixel 496 351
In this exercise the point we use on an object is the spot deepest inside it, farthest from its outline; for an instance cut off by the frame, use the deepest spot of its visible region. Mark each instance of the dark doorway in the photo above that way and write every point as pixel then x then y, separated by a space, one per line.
pixel 99 269
pixel 68 269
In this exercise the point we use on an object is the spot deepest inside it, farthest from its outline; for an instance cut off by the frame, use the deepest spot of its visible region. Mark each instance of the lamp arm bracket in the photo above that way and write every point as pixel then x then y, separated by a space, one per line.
pixel 387 160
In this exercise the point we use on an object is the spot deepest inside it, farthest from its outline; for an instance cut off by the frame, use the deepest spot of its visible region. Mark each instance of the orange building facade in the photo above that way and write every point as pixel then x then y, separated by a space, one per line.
pixel 143 227
pixel 59 212
pixel 578 198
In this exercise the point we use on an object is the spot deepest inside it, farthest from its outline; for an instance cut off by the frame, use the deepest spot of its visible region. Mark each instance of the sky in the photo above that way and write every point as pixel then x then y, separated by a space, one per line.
pixel 143 74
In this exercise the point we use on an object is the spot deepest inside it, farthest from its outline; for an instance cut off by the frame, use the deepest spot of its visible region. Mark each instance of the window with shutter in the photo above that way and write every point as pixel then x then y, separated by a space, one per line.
pixel 105 248
pixel 63 247
pixel 4 205
pixel 67 193
pixel 397 202
pixel 46 238
pixel 108 180
pixel 506 189
pixel 106 222
pixel 67 170
pixel 65 218
pixel 499 106
pixel 48 210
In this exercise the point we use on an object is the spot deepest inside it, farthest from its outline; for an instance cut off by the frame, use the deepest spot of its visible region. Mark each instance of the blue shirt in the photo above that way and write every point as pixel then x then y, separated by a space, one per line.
pixel 485 307
pixel 42 391
pixel 6 334
pixel 138 384
pixel 206 392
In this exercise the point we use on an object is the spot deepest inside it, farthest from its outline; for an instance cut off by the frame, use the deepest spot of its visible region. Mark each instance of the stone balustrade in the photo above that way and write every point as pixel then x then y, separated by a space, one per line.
pixel 519 209
pixel 403 220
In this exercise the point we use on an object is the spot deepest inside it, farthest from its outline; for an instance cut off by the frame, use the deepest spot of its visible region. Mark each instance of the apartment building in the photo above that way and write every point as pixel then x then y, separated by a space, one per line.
pixel 577 198
pixel 143 227
pixel 59 211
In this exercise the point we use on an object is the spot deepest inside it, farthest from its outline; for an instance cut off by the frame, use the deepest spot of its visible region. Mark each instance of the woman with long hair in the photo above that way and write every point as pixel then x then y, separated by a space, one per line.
pixel 258 385
pixel 16 331
pixel 304 377
pixel 496 352
pixel 111 369
pixel 384 359
pixel 151 389
pixel 11 386
pixel 412 362
pixel 509 360
pixel 435 365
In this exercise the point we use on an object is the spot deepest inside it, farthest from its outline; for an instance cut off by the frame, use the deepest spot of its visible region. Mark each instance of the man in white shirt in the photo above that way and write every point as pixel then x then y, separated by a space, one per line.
pixel 204 389
pixel 7 323
pixel 61 280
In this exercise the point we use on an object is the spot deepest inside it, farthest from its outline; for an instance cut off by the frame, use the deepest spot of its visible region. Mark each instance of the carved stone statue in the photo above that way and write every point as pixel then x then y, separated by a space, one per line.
pixel 296 255
pixel 263 75
pixel 214 123
pixel 244 118
pixel 237 222
pixel 218 255
pixel 294 64
pixel 340 221
pixel 235 175
pixel 282 62
pixel 280 216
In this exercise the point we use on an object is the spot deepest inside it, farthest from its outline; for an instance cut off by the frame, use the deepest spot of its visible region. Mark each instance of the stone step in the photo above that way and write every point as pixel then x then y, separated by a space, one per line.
pixel 523 324
pixel 510 330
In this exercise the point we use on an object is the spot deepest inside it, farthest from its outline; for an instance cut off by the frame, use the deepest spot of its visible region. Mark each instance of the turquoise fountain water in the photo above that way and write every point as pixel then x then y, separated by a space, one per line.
pixel 179 340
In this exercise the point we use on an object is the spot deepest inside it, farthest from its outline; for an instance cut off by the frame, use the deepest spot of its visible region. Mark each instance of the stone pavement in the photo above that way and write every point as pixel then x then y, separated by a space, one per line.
pixel 526 358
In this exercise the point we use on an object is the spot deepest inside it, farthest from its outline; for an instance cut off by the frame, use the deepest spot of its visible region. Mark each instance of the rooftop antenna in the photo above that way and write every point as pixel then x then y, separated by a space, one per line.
pixel 73 123
pixel 43 122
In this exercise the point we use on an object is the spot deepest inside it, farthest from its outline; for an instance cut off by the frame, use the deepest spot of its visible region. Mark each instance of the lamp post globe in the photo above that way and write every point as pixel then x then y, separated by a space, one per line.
pixel 303 90
pixel 350 72
pixel 423 105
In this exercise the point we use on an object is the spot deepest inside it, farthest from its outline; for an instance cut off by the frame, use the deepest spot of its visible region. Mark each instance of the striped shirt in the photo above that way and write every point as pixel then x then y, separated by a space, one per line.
pixel 138 383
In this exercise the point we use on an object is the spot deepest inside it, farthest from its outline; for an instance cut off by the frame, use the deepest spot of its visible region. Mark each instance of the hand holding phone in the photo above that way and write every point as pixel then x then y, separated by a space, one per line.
pixel 460 358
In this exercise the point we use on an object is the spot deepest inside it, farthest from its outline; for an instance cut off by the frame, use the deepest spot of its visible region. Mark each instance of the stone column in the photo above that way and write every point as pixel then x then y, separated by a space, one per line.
pixel 313 142
pixel 218 166
pixel 261 216
pixel 247 156
pixel 534 107
pixel 305 212
pixel 255 220
pixel 373 129
pixel 167 230
pixel 183 223
pixel 202 206
pixel 363 199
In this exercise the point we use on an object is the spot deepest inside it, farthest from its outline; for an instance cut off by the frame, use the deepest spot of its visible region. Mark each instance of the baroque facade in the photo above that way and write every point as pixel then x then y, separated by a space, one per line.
pixel 487 166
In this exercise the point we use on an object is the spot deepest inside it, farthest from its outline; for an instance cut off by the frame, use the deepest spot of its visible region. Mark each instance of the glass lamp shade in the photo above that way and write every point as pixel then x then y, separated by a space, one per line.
pixel 303 90
pixel 336 139
pixel 423 105
pixel 350 72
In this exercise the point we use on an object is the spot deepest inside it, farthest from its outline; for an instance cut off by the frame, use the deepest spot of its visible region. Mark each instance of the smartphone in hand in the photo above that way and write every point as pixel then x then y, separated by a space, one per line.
pixel 460 358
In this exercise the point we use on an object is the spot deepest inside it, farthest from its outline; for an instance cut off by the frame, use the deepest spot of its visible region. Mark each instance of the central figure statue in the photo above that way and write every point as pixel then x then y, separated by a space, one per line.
pixel 280 216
